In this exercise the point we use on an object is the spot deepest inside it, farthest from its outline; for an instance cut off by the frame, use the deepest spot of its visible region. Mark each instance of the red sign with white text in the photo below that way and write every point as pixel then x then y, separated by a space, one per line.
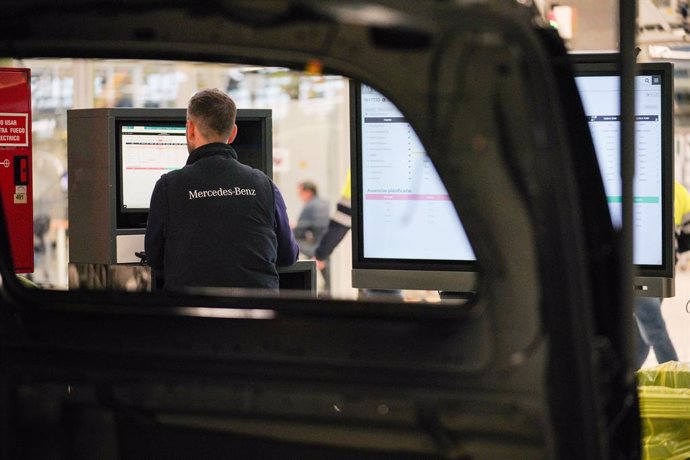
pixel 14 129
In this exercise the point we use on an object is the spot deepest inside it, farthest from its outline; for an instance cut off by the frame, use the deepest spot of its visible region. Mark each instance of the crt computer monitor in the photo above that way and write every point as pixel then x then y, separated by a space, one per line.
pixel 152 142
pixel 399 204
pixel 598 82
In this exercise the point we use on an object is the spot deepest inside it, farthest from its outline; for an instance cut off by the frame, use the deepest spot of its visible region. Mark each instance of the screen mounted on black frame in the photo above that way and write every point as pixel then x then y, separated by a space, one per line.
pixel 598 82
pixel 406 232
pixel 151 142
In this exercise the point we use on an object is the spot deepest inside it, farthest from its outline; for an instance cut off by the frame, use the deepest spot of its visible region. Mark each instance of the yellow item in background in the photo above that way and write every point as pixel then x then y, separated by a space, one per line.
pixel 664 393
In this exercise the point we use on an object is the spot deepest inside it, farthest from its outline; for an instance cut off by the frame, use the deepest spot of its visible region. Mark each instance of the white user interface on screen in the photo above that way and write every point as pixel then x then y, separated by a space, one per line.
pixel 601 100
pixel 407 213
pixel 148 151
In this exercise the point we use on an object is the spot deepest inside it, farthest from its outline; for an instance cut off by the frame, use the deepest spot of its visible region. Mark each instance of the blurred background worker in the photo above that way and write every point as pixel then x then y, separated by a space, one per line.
pixel 313 220
pixel 312 224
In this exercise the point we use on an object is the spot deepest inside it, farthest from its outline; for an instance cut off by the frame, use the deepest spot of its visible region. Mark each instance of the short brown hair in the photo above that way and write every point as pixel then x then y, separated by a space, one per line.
pixel 309 186
pixel 213 111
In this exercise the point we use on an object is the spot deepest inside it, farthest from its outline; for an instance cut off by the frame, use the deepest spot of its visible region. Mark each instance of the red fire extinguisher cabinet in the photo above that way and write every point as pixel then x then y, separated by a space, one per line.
pixel 15 164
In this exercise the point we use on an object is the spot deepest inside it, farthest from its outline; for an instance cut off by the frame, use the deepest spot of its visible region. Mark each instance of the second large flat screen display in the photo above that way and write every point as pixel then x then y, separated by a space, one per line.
pixel 600 97
pixel 407 233
pixel 598 83
pixel 406 211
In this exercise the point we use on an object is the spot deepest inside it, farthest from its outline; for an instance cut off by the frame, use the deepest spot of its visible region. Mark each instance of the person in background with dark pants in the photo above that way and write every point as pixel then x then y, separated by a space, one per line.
pixel 338 226
pixel 651 327
pixel 651 331
pixel 217 222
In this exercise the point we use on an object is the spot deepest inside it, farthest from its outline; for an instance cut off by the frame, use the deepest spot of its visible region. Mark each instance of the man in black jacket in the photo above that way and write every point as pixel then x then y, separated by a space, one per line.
pixel 217 222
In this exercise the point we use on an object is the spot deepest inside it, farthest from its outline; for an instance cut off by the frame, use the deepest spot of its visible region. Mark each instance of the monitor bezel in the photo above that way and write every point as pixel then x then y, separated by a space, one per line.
pixel 136 218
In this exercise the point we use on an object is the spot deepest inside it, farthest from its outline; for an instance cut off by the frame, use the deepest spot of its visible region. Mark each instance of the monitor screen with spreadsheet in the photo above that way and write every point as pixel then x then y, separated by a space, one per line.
pixel 406 231
pixel 154 143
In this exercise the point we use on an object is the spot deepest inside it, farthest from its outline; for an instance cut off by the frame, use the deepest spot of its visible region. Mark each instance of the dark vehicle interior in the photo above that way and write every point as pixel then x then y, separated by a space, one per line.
pixel 535 365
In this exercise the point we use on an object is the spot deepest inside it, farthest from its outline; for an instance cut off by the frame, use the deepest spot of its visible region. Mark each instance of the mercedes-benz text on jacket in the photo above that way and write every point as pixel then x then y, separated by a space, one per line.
pixel 217 222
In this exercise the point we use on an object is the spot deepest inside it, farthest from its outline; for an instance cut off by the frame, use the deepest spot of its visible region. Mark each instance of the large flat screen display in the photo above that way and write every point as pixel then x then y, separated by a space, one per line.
pixel 599 87
pixel 404 202
pixel 407 231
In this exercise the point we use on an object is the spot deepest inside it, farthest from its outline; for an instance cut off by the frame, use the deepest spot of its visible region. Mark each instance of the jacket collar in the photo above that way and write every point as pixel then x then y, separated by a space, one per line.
pixel 209 150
